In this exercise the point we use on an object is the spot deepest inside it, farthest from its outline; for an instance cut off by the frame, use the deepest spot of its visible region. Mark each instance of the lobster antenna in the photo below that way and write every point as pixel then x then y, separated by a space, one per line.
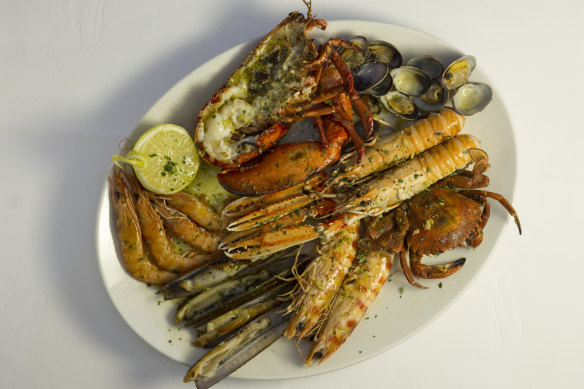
pixel 308 4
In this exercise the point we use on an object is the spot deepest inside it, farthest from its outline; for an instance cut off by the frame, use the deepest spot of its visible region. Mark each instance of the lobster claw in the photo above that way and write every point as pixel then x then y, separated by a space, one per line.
pixel 285 165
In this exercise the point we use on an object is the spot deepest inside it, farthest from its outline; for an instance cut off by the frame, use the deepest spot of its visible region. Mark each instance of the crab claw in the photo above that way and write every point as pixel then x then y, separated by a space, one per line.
pixel 435 271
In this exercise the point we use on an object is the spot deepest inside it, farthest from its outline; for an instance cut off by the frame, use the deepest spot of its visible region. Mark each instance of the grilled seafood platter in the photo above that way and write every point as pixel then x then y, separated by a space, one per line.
pixel 363 186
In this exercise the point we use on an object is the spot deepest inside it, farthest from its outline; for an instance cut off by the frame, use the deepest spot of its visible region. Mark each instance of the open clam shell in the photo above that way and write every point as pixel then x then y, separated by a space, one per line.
pixel 381 51
pixel 355 58
pixel 431 65
pixel 373 78
pixel 433 99
pixel 400 104
pixel 410 80
pixel 458 72
pixel 472 98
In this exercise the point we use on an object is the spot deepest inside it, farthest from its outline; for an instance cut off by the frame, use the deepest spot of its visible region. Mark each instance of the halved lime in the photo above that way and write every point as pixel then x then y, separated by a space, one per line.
pixel 164 159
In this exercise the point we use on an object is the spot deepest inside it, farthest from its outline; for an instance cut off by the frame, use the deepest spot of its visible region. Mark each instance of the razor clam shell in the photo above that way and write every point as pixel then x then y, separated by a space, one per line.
pixel 204 278
pixel 243 352
pixel 272 295
pixel 218 295
pixel 253 292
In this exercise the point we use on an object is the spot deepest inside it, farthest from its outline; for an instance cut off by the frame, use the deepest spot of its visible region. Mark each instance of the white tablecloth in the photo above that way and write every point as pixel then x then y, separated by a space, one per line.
pixel 75 78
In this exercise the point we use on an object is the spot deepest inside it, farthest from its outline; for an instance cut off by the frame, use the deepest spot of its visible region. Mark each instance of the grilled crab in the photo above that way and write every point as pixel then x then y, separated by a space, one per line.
pixel 437 220
pixel 242 119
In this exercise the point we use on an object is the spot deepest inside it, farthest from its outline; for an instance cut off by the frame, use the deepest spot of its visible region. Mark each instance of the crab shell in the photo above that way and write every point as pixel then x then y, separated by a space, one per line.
pixel 441 219
pixel 241 119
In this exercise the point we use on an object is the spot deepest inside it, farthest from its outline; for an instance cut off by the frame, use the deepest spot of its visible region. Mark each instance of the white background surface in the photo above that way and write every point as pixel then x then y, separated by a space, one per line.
pixel 75 78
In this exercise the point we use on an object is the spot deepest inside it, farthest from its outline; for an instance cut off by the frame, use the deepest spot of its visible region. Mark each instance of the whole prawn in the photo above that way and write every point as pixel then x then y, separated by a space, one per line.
pixel 182 226
pixel 321 280
pixel 134 252
pixel 158 242
pixel 359 289
pixel 195 208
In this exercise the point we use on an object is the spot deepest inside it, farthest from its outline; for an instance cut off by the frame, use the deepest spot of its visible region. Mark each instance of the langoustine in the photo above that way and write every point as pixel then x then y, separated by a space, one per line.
pixel 375 197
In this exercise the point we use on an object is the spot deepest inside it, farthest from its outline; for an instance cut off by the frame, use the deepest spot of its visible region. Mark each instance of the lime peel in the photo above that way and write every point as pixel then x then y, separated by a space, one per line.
pixel 134 158
pixel 164 159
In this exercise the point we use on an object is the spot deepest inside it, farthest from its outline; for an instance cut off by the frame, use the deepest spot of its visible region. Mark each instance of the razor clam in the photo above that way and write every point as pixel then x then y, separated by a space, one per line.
pixel 471 98
pixel 400 104
pixel 381 51
pixel 203 278
pixel 234 352
pixel 410 80
pixel 272 285
pixel 458 72
pixel 215 331
pixel 355 58
pixel 433 99
pixel 226 303
pixel 373 78
pixel 217 295
pixel 429 64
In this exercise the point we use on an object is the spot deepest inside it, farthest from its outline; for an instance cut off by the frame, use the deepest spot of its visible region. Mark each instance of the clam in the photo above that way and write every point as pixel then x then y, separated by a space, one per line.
pixel 355 58
pixel 373 78
pixel 391 120
pixel 381 51
pixel 471 98
pixel 433 99
pixel 410 80
pixel 400 104
pixel 458 72
pixel 373 104
pixel 431 65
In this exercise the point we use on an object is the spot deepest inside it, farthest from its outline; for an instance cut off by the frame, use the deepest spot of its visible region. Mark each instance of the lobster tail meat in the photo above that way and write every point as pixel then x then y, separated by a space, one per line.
pixel 241 119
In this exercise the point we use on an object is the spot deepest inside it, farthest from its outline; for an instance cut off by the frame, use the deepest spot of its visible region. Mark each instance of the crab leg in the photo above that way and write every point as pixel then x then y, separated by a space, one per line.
pixel 504 202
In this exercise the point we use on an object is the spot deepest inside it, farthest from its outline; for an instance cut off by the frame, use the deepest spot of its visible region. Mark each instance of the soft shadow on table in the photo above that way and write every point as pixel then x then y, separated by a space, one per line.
pixel 84 160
